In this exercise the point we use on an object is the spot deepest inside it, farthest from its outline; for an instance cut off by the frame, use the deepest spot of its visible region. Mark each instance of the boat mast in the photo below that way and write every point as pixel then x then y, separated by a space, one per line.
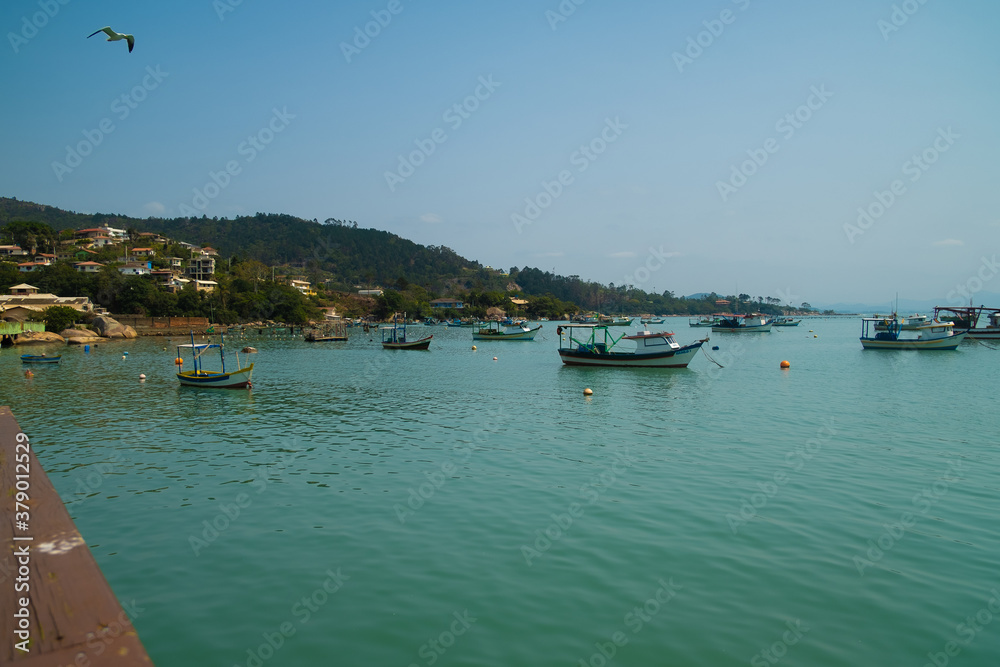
pixel 222 355
pixel 194 353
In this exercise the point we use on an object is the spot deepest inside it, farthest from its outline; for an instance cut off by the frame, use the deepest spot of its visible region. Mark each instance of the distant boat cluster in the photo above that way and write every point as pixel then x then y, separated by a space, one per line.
pixel 592 341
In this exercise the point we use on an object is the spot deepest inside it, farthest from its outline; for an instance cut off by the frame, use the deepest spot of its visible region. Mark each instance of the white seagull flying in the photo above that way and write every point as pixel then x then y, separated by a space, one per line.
pixel 114 37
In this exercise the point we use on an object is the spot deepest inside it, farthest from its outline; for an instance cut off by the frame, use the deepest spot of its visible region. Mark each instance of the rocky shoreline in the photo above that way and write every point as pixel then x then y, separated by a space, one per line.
pixel 104 328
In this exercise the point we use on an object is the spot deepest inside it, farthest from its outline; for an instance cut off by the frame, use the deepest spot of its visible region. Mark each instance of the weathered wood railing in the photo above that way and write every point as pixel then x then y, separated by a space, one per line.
pixel 56 607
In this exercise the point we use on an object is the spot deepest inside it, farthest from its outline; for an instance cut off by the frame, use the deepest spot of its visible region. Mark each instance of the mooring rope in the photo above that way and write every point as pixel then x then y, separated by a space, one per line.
pixel 710 358
pixel 992 347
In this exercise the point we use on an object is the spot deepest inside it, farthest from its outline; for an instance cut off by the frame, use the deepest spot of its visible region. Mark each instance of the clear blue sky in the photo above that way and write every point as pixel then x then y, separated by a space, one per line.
pixel 327 131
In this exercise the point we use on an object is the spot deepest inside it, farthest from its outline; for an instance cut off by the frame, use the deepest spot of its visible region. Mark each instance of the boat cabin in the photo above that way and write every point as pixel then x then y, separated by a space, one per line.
pixel 647 341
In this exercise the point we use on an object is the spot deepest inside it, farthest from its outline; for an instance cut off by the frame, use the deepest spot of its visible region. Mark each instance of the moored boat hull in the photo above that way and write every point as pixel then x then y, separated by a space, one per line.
pixel 503 335
pixel 673 359
pixel 948 343
pixel 750 329
pixel 985 333
pixel 422 344
pixel 38 359
pixel 237 380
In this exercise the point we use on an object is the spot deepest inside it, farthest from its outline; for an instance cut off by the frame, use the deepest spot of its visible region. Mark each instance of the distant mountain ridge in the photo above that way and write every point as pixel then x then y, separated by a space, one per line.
pixel 908 306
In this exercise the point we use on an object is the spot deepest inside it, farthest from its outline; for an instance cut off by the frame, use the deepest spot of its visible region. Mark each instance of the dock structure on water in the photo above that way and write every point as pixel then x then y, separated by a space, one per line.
pixel 9 331
pixel 56 607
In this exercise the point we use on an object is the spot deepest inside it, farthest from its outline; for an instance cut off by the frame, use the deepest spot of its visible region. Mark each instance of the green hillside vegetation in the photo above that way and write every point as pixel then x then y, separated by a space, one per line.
pixel 336 257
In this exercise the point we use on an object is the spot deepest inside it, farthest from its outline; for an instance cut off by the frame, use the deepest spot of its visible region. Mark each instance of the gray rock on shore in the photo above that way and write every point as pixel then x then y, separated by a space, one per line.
pixel 108 327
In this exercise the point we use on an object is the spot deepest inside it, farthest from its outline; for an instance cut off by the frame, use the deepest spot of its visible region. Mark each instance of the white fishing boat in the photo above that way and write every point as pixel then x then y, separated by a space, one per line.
pixel 933 335
pixel 494 331
pixel 969 318
pixel 594 345
pixel 749 322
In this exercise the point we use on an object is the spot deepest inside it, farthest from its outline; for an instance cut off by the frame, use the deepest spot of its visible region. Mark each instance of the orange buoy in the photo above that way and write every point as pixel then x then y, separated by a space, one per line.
pixel 588 391
pixel 179 361
pixel 785 364
pixel 29 374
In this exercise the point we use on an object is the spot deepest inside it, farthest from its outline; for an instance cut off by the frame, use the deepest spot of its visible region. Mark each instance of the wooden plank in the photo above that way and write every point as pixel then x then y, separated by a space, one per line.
pixel 54 600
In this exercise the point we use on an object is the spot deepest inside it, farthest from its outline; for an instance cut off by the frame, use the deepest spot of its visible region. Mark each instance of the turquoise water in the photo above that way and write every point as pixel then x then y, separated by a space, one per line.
pixel 441 508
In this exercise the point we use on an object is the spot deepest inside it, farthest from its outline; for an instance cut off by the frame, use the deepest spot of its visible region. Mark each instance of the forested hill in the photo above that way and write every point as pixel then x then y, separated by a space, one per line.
pixel 341 255
pixel 350 254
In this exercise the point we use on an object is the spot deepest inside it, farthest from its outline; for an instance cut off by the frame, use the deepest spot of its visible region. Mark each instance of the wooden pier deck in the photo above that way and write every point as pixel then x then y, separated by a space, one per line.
pixel 14 328
pixel 56 607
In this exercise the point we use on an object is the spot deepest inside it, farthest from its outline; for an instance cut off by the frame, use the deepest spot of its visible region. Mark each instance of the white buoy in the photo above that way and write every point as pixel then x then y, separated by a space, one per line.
pixel 588 392
pixel 494 358
pixel 142 377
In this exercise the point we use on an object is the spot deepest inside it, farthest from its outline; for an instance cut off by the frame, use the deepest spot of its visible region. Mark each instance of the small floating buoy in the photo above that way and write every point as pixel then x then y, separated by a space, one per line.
pixel 124 357
pixel 178 361
pixel 494 358
pixel 810 331
pixel 473 347
pixel 86 348
pixel 142 377
pixel 715 347
pixel 588 392
pixel 785 364
pixel 815 336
